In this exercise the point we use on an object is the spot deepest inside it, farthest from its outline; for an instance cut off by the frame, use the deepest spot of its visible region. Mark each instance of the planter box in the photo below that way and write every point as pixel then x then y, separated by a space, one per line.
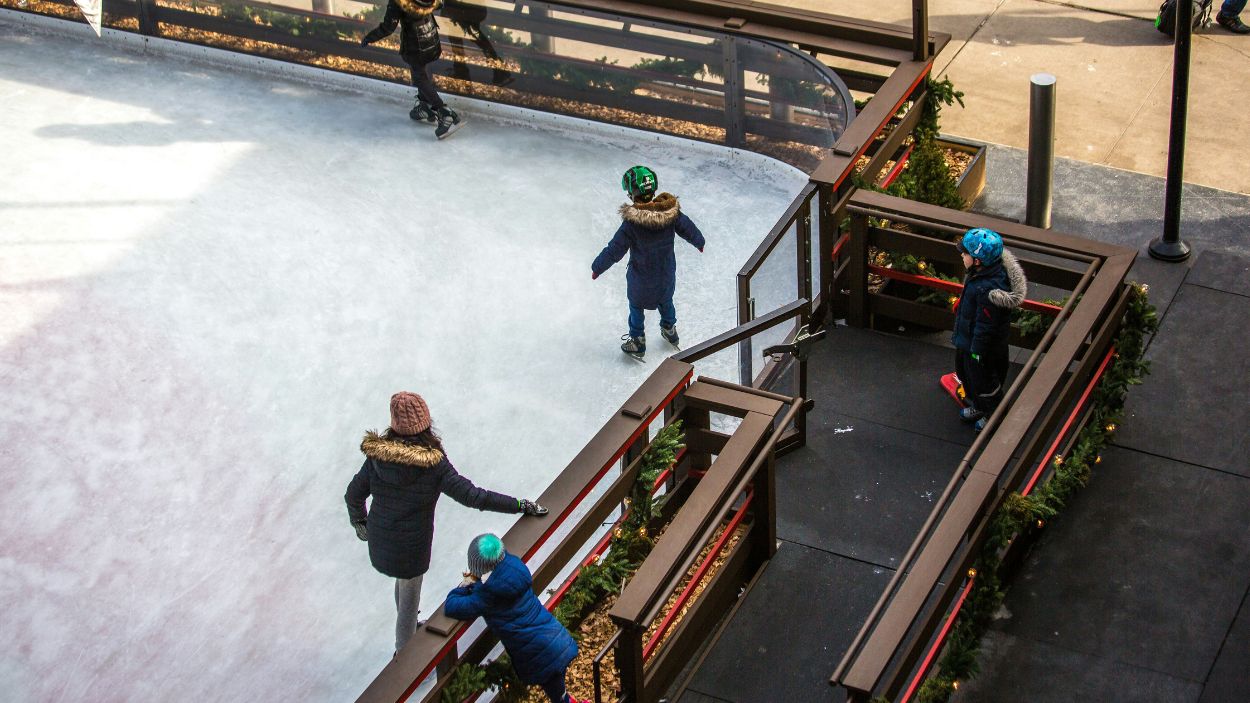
pixel 972 181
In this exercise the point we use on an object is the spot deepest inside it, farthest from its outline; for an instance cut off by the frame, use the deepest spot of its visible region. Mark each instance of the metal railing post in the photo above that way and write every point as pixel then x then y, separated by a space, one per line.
pixel 920 30
pixel 735 102
pixel 147 20
pixel 1041 150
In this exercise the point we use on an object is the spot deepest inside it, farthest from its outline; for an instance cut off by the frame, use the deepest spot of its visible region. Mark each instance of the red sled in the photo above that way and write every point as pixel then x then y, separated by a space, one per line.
pixel 950 382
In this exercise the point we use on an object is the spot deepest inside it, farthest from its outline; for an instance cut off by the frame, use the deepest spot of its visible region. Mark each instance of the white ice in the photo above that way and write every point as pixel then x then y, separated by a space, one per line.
pixel 211 281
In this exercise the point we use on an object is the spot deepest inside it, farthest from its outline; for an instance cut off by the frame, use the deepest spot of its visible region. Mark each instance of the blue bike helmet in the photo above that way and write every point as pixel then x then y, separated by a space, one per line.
pixel 981 243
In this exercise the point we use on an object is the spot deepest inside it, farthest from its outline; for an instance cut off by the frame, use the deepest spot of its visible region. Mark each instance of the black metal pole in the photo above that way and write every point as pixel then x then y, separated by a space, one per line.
pixel 1041 175
pixel 1170 247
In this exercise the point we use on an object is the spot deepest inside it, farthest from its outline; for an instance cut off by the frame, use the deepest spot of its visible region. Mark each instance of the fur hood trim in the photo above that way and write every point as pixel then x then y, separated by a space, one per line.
pixel 657 214
pixel 414 10
pixel 393 451
pixel 1019 284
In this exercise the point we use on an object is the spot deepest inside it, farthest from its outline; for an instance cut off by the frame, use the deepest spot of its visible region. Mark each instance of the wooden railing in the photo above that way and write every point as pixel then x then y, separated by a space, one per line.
pixel 1039 413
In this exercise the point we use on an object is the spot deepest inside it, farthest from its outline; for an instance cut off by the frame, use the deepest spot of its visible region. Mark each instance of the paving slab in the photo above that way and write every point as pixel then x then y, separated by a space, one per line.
pixel 1230 676
pixel 1195 405
pixel 793 627
pixel 1160 586
pixel 860 489
pixel 1222 271
pixel 1020 669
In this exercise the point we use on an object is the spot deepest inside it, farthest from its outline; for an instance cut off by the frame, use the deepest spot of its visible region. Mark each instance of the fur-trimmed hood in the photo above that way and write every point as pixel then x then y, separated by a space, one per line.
pixel 412 9
pixel 1019 284
pixel 657 214
pixel 394 451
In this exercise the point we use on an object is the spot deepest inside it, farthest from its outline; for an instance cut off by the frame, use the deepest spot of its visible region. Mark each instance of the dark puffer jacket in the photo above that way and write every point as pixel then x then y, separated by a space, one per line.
pixel 982 327
pixel 646 232
pixel 419 42
pixel 537 643
pixel 405 481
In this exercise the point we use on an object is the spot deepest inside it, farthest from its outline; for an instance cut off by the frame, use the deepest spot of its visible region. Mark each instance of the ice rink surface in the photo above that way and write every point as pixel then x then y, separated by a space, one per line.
pixel 211 281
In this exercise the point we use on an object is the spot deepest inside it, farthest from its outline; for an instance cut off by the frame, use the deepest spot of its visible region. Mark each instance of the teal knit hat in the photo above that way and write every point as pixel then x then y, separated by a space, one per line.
pixel 485 552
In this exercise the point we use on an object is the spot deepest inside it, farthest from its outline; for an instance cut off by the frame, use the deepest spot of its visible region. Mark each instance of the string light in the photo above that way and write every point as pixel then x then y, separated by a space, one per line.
pixel 1110 427
pixel 1098 459
pixel 972 573
pixel 1058 461
pixel 955 685
pixel 1041 524
pixel 618 533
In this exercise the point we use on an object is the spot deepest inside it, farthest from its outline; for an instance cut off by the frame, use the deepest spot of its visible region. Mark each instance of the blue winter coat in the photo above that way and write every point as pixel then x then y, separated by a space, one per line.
pixel 982 327
pixel 405 481
pixel 538 644
pixel 646 232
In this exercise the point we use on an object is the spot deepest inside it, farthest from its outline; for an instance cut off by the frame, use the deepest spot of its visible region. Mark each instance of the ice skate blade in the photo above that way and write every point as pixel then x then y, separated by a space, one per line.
pixel 636 357
pixel 454 128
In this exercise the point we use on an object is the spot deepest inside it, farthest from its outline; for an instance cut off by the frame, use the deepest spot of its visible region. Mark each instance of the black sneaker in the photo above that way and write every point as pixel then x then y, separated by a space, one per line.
pixel 422 112
pixel 448 122
pixel 1232 24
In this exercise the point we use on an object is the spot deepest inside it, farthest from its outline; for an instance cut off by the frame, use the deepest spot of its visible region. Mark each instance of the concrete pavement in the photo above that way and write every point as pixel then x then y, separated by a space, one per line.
pixel 1114 87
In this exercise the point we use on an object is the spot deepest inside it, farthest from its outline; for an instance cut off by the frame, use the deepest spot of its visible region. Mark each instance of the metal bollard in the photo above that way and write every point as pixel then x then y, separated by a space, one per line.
pixel 1041 150
pixel 1170 247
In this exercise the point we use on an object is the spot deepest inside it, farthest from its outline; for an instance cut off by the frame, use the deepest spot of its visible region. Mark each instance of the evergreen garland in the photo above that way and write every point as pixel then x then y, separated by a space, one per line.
pixel 1019 513
pixel 630 543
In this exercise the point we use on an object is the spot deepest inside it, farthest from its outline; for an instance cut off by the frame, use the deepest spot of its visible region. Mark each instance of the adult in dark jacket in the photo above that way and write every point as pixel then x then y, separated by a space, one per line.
pixel 499 588
pixel 406 470
pixel 419 45
pixel 648 226
pixel 982 325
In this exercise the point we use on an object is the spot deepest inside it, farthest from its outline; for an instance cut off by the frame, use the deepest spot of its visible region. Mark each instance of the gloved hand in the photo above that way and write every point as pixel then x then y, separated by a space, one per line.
pixel 361 531
pixel 976 357
pixel 468 580
pixel 593 275
pixel 700 250
pixel 529 507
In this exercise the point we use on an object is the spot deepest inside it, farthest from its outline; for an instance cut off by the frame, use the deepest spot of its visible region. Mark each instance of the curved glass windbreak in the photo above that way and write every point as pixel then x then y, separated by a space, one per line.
pixel 644 73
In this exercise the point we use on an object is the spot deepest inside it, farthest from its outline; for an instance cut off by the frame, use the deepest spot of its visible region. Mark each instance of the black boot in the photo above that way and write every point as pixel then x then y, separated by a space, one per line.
pixel 448 122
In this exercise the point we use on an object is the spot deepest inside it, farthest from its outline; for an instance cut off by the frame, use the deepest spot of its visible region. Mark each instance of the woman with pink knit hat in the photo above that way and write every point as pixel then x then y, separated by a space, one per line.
pixel 405 470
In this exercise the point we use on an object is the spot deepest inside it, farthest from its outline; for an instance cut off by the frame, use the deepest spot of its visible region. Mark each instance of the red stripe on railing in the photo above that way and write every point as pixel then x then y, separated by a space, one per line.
pixel 837 248
pixel 698 576
pixel 952 287
pixel 851 166
pixel 1063 431
pixel 555 524
pixel 898 167
pixel 937 644
pixel 412 687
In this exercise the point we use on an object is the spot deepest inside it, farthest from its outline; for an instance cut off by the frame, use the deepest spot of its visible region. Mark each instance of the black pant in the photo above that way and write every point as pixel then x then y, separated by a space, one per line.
pixel 985 380
pixel 425 85
pixel 554 688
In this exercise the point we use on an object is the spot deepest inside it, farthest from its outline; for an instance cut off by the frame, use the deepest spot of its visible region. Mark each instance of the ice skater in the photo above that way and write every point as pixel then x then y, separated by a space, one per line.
pixel 419 46
pixel 498 587
pixel 648 225
pixel 993 286
pixel 405 470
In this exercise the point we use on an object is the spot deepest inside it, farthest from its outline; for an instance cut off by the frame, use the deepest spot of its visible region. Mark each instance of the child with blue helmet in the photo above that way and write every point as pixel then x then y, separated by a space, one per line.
pixel 993 286
pixel 648 226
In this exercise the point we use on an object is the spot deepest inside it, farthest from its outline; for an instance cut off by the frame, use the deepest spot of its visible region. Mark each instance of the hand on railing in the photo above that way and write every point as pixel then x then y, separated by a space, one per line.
pixel 529 507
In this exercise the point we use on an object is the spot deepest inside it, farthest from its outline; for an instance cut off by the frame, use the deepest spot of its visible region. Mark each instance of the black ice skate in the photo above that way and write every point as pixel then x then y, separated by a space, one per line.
pixel 448 122
pixel 670 335
pixel 635 347
pixel 422 112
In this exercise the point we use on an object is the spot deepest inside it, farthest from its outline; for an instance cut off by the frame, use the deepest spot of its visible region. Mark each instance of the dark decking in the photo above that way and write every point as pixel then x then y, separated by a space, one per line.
pixel 1136 592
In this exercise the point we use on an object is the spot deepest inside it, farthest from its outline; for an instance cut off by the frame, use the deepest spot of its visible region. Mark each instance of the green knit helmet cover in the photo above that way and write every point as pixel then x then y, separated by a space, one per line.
pixel 640 182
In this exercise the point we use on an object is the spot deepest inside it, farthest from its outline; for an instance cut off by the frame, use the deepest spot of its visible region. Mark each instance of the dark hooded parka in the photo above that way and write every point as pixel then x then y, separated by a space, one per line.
pixel 537 643
pixel 405 480
pixel 646 233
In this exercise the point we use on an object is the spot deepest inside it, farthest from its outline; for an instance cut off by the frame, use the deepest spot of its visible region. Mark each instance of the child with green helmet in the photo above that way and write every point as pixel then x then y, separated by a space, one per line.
pixel 649 224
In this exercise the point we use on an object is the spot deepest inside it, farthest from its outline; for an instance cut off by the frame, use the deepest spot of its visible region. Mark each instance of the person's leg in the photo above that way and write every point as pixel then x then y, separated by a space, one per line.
pixel 555 689
pixel 636 320
pixel 668 313
pixel 407 605
pixel 425 86
pixel 980 385
pixel 1229 17
pixel 1232 8
pixel 997 365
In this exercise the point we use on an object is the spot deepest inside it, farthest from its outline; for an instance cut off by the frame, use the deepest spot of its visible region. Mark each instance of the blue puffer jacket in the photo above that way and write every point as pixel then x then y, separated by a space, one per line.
pixel 982 327
pixel 538 644
pixel 646 232
pixel 405 481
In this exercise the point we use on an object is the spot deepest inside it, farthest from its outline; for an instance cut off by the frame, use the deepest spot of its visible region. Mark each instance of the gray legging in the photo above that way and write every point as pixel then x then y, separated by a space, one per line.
pixel 407 604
